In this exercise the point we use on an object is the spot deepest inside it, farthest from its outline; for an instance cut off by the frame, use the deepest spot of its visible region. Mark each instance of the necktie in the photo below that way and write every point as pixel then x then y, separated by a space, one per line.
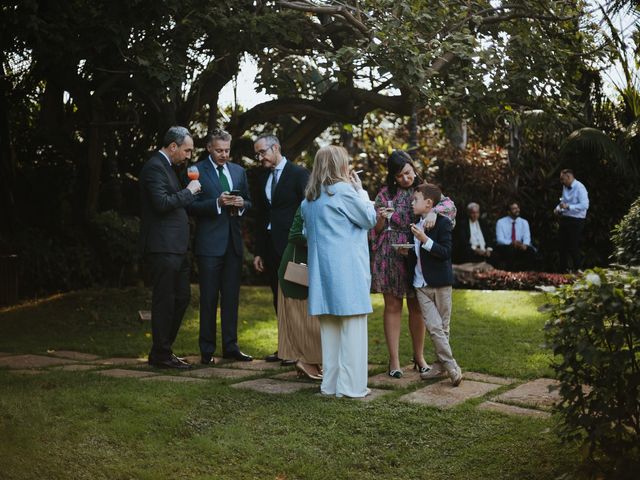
pixel 223 179
pixel 513 232
pixel 274 182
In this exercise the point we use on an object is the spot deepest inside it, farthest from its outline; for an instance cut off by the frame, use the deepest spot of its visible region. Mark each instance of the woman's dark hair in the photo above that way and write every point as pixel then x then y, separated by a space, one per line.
pixel 395 163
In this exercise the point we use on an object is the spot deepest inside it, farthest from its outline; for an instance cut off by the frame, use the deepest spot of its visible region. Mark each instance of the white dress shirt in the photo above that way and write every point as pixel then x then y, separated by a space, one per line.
pixel 476 239
pixel 227 173
pixel 418 277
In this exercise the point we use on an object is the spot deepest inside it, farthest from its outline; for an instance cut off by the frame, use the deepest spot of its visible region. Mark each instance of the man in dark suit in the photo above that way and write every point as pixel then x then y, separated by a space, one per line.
pixel 281 190
pixel 471 241
pixel 218 246
pixel 164 239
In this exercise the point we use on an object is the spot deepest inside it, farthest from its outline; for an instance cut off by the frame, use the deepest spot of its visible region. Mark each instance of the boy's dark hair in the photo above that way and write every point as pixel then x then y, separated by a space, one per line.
pixel 429 190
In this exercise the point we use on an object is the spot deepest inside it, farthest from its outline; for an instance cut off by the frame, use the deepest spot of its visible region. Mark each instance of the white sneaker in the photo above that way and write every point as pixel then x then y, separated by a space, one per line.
pixel 456 376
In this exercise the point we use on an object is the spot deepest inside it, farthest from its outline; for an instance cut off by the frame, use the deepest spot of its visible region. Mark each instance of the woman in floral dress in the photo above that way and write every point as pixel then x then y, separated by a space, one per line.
pixel 390 275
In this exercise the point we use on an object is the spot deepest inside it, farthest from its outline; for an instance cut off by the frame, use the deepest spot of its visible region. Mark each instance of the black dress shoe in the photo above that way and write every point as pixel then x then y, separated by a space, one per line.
pixel 239 356
pixel 273 357
pixel 287 363
pixel 207 360
pixel 171 362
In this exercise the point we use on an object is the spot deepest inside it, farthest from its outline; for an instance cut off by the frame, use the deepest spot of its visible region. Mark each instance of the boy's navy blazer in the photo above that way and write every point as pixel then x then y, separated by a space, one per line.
pixel 436 264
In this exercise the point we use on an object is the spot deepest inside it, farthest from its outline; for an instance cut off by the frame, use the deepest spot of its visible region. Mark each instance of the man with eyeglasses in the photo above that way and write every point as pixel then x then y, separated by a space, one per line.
pixel 280 192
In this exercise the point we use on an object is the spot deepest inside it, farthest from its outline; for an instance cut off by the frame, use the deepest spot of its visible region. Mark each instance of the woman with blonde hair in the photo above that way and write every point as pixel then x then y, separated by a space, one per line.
pixel 337 216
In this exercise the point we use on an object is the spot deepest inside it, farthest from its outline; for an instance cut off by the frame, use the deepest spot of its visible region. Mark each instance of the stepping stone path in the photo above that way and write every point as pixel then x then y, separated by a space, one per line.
pixel 534 394
pixel 118 361
pixel 79 356
pixel 531 399
pixel 31 361
pixel 218 372
pixel 444 395
pixel 512 410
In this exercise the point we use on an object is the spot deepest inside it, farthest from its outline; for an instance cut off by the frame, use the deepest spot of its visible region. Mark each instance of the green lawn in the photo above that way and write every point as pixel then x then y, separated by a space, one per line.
pixel 81 425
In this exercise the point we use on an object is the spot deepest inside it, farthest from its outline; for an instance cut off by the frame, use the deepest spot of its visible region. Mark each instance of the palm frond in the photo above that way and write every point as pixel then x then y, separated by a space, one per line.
pixel 595 143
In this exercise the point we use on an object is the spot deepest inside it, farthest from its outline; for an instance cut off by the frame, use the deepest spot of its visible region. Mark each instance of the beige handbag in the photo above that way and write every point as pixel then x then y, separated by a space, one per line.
pixel 297 272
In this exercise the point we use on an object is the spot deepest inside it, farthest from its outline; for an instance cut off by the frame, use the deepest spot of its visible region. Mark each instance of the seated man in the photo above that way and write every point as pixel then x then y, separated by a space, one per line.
pixel 513 241
pixel 471 238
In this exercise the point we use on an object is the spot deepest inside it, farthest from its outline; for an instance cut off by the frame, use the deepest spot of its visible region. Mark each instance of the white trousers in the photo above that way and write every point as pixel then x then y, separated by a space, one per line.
pixel 344 355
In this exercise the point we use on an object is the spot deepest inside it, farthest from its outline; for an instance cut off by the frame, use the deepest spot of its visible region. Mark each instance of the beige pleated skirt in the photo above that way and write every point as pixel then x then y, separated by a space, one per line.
pixel 298 332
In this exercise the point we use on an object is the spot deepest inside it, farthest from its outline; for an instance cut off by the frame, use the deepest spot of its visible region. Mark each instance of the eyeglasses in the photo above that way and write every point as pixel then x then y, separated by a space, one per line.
pixel 262 153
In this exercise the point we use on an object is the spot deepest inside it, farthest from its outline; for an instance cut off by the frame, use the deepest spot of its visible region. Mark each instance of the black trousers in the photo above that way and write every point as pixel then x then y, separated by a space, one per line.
pixel 219 281
pixel 272 264
pixel 512 259
pixel 169 274
pixel 569 242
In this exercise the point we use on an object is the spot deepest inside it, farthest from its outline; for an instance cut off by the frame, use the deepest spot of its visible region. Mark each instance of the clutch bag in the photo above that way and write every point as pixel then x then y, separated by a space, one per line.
pixel 297 273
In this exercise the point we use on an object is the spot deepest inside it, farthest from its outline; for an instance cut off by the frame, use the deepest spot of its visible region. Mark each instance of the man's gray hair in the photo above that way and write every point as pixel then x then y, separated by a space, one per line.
pixel 218 134
pixel 175 134
pixel 472 206
pixel 269 138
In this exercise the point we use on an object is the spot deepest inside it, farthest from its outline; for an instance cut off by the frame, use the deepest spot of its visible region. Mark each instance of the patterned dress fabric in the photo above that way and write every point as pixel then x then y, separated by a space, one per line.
pixel 389 270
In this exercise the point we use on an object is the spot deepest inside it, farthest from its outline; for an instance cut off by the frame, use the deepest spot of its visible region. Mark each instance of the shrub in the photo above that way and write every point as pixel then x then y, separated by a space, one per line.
pixel 54 260
pixel 594 331
pixel 115 239
pixel 503 280
pixel 626 236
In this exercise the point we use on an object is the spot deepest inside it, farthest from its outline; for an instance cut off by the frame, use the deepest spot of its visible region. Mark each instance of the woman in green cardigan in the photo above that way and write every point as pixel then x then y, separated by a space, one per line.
pixel 298 333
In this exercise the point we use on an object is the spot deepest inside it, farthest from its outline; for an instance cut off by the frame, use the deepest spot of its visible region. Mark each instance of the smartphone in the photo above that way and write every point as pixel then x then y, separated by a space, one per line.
pixel 235 192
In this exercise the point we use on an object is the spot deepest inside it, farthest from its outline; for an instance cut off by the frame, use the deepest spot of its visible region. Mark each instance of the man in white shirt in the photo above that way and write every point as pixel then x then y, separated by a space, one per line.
pixel 572 211
pixel 513 241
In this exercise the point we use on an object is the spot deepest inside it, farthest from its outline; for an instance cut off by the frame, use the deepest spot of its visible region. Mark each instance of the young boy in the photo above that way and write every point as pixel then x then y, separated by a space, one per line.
pixel 433 276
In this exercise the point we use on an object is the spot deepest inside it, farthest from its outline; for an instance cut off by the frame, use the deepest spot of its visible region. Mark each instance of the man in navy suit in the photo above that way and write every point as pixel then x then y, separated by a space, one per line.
pixel 281 190
pixel 218 246
pixel 164 239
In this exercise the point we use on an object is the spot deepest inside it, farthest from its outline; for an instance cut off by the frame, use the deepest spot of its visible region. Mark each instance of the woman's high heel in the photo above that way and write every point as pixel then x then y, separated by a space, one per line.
pixel 394 373
pixel 418 367
pixel 303 373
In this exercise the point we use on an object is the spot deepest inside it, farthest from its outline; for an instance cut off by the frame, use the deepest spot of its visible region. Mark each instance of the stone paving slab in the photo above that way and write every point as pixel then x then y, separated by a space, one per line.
pixel 80 356
pixel 270 385
pixel 512 410
pixel 483 377
pixel 171 378
pixel 122 373
pixel 77 368
pixel 532 394
pixel 118 361
pixel 443 395
pixel 410 376
pixel 31 361
pixel 292 375
pixel 219 372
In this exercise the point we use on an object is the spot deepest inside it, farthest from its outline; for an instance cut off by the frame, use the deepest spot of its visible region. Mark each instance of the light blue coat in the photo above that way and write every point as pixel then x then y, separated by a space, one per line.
pixel 336 229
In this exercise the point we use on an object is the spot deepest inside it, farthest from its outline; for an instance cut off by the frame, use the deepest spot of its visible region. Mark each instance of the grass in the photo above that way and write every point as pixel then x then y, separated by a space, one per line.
pixel 81 425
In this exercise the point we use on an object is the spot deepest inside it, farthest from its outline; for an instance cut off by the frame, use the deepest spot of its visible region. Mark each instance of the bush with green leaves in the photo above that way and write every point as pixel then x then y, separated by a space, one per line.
pixel 594 332
pixel 626 236
pixel 115 239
